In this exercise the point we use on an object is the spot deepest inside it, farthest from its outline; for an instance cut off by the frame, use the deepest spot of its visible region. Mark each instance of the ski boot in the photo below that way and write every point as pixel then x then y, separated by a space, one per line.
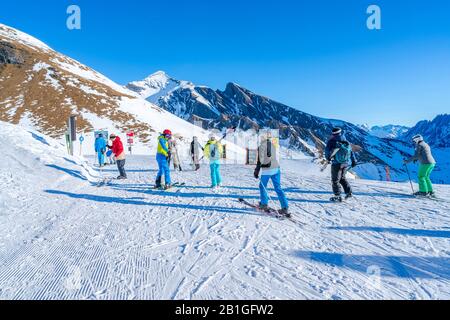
pixel 158 183
pixel 263 207
pixel 121 178
pixel 432 195
pixel 336 199
pixel 285 213
pixel 421 194
pixel 349 196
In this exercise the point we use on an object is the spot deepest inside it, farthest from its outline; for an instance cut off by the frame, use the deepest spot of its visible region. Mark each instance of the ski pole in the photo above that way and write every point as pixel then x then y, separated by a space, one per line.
pixel 409 176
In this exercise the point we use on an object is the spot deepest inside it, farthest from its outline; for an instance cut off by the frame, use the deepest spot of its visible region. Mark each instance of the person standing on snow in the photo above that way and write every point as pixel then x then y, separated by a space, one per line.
pixel 162 157
pixel 110 154
pixel 195 155
pixel 339 152
pixel 119 154
pixel 214 151
pixel 426 166
pixel 174 155
pixel 269 166
pixel 100 149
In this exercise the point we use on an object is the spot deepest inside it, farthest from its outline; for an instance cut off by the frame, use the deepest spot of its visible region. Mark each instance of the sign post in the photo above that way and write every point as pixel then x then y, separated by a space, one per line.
pixel 130 140
pixel 71 135
pixel 81 144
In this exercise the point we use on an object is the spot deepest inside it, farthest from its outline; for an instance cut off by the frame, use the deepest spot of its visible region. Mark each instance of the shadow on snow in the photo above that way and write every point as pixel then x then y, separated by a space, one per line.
pixel 406 232
pixel 389 266
pixel 137 201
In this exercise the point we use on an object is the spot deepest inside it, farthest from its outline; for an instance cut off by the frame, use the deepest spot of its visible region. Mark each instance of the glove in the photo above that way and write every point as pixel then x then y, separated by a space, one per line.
pixel 354 164
pixel 256 173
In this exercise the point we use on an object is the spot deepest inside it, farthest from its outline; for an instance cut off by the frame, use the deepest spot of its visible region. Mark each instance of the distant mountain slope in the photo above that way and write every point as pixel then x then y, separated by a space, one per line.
pixel 238 106
pixel 435 132
pixel 389 131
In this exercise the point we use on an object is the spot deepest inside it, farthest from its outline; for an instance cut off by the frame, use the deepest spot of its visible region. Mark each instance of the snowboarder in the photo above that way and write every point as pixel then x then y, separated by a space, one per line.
pixel 214 151
pixel 119 154
pixel 269 166
pixel 426 166
pixel 174 155
pixel 162 157
pixel 195 153
pixel 100 149
pixel 339 153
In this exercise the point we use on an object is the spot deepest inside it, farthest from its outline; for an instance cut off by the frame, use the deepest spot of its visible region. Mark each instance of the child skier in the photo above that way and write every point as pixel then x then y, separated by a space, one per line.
pixel 269 166
pixel 195 153
pixel 213 151
pixel 426 166
pixel 174 155
pixel 339 152
pixel 100 149
pixel 162 157
pixel 119 154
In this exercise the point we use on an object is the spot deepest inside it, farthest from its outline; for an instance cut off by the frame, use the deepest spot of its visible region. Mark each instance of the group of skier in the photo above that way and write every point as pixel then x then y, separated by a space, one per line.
pixel 115 153
pixel 338 152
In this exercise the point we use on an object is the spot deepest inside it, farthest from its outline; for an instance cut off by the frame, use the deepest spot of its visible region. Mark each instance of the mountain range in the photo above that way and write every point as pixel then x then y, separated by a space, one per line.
pixel 40 88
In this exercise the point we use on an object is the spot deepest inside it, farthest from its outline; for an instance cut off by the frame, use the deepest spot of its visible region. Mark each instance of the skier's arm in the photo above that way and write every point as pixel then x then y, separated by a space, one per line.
pixel 415 157
pixel 328 149
pixel 258 167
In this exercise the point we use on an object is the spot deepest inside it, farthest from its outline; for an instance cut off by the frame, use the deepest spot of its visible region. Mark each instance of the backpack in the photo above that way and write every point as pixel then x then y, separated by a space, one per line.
pixel 344 152
pixel 213 150
pixel 268 155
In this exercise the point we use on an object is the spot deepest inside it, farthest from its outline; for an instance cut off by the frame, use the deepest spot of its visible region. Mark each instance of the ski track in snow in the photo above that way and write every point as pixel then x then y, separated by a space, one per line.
pixel 128 241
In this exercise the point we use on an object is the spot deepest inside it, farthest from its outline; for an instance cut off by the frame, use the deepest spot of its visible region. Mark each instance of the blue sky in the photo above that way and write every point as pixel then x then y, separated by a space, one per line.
pixel 317 56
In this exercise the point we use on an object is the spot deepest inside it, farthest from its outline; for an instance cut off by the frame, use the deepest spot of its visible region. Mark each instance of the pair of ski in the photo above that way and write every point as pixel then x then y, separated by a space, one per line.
pixel 173 185
pixel 270 212
pixel 105 182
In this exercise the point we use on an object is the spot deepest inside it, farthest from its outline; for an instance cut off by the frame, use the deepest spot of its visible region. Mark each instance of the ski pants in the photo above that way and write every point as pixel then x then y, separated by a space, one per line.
pixel 425 184
pixel 216 178
pixel 276 180
pixel 101 158
pixel 121 167
pixel 338 179
pixel 164 169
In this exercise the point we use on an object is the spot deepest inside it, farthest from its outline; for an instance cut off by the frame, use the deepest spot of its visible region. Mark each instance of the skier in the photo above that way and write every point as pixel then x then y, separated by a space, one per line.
pixel 269 166
pixel 174 155
pixel 195 154
pixel 339 152
pixel 110 154
pixel 162 157
pixel 426 166
pixel 213 151
pixel 119 154
pixel 100 149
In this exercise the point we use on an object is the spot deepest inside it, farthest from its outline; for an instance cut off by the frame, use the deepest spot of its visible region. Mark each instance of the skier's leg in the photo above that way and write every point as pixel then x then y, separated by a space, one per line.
pixel 428 180
pixel 218 175
pixel 276 180
pixel 99 158
pixel 213 175
pixel 263 190
pixel 344 182
pixel 336 178
pixel 166 169
pixel 423 187
pixel 160 172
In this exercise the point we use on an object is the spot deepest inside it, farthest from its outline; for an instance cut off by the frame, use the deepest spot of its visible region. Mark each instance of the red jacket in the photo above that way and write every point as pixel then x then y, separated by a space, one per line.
pixel 117 147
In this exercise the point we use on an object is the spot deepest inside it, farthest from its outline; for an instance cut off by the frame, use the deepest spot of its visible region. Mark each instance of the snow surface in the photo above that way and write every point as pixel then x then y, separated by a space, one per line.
pixel 62 237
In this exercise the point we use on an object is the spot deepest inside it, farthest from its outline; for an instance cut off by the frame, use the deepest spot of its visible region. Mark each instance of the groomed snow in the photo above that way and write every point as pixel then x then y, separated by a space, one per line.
pixel 62 237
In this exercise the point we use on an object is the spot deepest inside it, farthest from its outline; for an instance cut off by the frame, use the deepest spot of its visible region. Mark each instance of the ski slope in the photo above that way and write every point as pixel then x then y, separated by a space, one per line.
pixel 62 237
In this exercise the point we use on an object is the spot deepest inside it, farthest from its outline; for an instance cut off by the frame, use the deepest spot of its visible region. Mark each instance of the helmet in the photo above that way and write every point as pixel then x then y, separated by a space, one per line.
pixel 417 138
pixel 167 132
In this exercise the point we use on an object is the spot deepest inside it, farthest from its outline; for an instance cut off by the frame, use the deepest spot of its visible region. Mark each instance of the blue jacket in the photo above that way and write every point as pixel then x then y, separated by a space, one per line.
pixel 100 145
pixel 332 145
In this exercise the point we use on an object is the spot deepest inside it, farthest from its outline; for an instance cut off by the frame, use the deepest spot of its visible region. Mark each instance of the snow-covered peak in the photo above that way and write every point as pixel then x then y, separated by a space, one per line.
pixel 390 131
pixel 14 35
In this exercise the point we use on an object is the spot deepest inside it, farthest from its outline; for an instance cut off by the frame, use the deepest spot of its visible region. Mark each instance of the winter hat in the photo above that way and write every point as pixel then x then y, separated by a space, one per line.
pixel 417 138
pixel 336 131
